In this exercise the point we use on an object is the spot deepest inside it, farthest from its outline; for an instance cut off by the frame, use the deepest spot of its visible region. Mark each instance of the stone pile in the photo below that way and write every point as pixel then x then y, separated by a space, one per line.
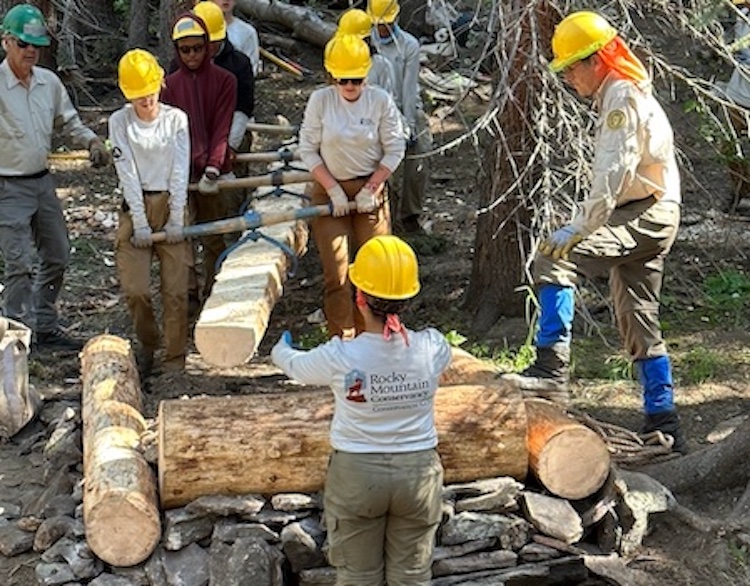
pixel 494 531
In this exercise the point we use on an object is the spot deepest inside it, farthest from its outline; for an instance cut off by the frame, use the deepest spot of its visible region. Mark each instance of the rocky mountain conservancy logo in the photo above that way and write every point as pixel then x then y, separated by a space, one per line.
pixel 354 381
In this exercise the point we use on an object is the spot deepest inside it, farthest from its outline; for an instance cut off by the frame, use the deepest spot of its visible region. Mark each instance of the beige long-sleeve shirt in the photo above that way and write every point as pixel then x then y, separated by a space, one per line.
pixel 30 116
pixel 634 153
pixel 151 156
pixel 351 138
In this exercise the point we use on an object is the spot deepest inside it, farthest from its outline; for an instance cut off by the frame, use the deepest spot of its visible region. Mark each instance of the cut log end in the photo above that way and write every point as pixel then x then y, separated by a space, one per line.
pixel 135 529
pixel 210 340
pixel 573 477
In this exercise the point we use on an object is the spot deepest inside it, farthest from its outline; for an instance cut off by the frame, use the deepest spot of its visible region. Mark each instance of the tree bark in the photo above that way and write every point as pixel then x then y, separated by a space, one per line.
pixel 568 458
pixel 120 510
pixel 303 22
pixel 502 239
pixel 138 27
pixel 275 443
pixel 720 466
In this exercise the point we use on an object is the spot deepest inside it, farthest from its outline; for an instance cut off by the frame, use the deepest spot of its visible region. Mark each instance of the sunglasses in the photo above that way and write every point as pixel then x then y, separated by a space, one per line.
pixel 187 49
pixel 24 45
pixel 357 81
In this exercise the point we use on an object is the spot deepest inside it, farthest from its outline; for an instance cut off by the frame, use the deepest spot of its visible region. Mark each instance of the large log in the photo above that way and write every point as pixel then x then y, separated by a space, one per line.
pixel 274 443
pixel 304 23
pixel 568 458
pixel 120 510
pixel 248 285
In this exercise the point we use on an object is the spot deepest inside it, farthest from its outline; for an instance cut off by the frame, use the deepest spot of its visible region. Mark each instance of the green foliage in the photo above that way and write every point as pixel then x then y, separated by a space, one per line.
pixel 728 290
pixel 313 338
pixel 702 364
pixel 714 131
pixel 455 339
pixel 591 359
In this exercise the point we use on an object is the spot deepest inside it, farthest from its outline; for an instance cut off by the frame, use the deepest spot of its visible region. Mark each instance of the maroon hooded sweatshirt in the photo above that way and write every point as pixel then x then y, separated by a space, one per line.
pixel 208 95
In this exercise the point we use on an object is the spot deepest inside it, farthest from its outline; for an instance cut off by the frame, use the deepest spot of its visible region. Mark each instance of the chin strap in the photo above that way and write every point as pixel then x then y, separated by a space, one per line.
pixel 393 325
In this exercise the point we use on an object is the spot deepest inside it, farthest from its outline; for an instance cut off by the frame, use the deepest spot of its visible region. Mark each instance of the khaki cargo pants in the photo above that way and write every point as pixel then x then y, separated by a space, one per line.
pixel 381 514
pixel 337 241
pixel 134 270
pixel 409 181
pixel 631 247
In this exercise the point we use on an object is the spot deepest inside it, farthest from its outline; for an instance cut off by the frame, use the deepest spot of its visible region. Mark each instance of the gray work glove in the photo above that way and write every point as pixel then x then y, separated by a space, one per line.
pixel 142 237
pixel 98 153
pixel 339 201
pixel 208 184
pixel 367 200
pixel 174 230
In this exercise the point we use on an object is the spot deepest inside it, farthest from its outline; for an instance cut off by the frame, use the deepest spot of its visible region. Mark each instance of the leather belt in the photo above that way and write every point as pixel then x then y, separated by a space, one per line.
pixel 39 175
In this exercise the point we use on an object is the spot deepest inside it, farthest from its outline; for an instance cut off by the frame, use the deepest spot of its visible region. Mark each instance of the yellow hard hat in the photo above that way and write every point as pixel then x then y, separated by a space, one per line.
pixel 386 267
pixel 212 15
pixel 383 11
pixel 139 74
pixel 347 57
pixel 354 22
pixel 579 35
pixel 187 27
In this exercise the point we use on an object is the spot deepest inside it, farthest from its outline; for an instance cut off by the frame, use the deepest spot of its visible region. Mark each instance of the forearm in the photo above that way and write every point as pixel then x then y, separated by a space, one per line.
pixel 323 176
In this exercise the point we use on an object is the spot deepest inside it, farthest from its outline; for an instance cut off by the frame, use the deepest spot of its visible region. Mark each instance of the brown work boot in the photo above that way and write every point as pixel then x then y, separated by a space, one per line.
pixel 548 377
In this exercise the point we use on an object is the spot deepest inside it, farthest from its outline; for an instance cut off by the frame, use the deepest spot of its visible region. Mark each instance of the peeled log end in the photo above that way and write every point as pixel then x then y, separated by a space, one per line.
pixel 211 342
pixel 130 528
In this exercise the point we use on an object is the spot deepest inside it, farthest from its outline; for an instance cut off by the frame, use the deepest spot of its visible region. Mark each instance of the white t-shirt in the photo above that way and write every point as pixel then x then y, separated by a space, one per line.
pixel 384 390
pixel 351 138
pixel 244 38
pixel 151 156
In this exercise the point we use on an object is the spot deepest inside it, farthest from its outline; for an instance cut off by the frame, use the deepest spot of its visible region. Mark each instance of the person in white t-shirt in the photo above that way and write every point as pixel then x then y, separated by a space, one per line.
pixel 151 152
pixel 241 34
pixel 384 482
pixel 351 140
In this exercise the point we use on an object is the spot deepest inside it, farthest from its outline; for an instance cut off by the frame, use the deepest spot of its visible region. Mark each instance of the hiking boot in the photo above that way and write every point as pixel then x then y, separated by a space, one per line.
pixel 56 341
pixel 668 423
pixel 410 225
pixel 144 360
pixel 548 377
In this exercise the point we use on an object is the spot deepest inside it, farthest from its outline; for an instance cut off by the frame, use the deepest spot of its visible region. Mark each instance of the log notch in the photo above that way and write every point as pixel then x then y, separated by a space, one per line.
pixel 120 510
pixel 568 458
pixel 274 443
pixel 248 285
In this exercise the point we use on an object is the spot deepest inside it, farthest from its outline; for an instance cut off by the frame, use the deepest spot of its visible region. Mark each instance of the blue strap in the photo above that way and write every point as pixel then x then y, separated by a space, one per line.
pixel 253 236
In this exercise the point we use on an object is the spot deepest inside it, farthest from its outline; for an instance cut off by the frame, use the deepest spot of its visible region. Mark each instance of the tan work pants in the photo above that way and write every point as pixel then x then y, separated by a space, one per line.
pixel 134 270
pixel 338 240
pixel 631 247
pixel 381 514
pixel 409 181
pixel 207 208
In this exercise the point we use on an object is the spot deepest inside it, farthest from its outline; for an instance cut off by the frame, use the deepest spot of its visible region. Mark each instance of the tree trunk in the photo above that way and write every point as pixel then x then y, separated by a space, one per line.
pixel 168 11
pixel 275 443
pixel 120 510
pixel 304 23
pixel 502 241
pixel 568 458
pixel 722 465
pixel 138 27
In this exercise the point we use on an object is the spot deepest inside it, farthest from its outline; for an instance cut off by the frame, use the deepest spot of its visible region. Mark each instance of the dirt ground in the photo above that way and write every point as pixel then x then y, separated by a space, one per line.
pixel 674 554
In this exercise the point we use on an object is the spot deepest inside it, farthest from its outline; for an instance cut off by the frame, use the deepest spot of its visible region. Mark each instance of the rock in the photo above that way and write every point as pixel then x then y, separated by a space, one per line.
pixel 493 502
pixel 511 532
pixel 182 527
pixel 536 552
pixel 229 531
pixel 112 580
pixel 553 516
pixel 14 541
pixel 475 562
pixel 275 519
pixel 225 506
pixel 442 552
pixel 54 574
pixel 59 505
pixel 187 567
pixel 154 567
pixel 59 483
pixel 318 577
pixel 9 510
pixel 503 484
pixel 30 524
pixel 63 449
pixel 641 495
pixel 51 530
pixel 53 412
pixel 294 502
pixel 137 575
pixel 246 562
pixel 81 560
pixel 302 543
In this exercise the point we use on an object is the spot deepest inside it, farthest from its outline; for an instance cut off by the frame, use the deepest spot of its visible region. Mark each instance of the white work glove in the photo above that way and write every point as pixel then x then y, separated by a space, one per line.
pixel 367 200
pixel 339 201
pixel 208 184
pixel 173 229
pixel 559 244
pixel 142 237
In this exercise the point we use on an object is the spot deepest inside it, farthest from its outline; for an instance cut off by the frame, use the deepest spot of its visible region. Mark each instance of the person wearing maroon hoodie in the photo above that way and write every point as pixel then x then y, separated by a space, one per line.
pixel 208 94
